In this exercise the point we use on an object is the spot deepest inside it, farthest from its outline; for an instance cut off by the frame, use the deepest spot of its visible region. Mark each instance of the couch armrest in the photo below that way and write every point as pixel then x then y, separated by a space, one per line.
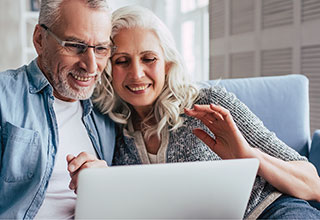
pixel 314 155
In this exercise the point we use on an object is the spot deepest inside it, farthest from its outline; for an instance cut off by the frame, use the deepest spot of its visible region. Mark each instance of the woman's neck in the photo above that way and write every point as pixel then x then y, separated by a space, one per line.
pixel 142 112
pixel 153 143
pixel 139 119
pixel 142 123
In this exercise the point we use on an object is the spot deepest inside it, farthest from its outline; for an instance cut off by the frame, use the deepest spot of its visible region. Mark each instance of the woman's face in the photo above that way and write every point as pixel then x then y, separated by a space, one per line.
pixel 138 68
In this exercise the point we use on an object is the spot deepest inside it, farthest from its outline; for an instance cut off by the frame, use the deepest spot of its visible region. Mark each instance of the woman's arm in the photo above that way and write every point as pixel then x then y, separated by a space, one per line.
pixel 295 178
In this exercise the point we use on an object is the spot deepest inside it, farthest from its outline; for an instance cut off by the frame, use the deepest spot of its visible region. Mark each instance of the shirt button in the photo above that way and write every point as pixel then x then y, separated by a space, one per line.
pixel 30 174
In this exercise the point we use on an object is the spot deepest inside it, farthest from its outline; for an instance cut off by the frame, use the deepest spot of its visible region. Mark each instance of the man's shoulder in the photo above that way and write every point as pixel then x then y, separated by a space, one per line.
pixel 13 83
pixel 13 75
pixel 102 118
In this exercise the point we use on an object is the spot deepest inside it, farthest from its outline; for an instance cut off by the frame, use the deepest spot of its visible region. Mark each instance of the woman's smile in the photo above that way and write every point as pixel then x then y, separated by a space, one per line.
pixel 138 88
pixel 138 67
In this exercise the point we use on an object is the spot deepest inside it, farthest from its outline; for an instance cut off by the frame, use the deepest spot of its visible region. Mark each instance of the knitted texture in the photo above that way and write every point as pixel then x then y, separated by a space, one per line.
pixel 184 146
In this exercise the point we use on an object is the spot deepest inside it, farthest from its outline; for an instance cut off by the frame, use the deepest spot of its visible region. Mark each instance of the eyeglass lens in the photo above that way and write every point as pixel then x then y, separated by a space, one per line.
pixel 78 48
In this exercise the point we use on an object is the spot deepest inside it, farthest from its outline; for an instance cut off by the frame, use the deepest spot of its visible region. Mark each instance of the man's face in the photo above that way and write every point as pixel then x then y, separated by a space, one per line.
pixel 73 76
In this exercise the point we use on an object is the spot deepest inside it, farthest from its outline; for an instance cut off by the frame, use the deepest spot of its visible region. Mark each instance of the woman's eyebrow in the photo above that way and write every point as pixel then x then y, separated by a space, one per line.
pixel 120 53
pixel 141 53
pixel 148 52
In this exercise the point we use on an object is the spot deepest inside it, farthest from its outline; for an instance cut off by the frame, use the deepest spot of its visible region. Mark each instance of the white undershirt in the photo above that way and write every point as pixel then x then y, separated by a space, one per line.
pixel 59 202
pixel 152 158
pixel 148 158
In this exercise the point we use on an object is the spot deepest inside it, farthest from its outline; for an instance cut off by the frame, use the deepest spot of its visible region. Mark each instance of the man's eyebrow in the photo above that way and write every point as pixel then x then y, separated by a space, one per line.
pixel 75 39
pixel 105 43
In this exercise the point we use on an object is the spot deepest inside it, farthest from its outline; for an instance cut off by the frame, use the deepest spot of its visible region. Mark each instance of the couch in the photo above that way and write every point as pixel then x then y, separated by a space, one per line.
pixel 282 103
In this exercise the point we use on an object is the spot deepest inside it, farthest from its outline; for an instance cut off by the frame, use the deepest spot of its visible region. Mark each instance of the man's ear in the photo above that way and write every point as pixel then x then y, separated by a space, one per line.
pixel 38 38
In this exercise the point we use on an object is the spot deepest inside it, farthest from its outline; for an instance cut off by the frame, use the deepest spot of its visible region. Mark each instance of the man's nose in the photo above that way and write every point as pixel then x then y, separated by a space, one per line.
pixel 89 61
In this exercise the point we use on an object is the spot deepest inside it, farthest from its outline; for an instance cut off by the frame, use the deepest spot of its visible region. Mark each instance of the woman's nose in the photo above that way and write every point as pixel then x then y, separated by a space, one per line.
pixel 137 70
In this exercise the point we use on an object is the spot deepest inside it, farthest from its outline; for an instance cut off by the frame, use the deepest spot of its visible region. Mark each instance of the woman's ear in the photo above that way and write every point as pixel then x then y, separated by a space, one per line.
pixel 38 39
pixel 168 67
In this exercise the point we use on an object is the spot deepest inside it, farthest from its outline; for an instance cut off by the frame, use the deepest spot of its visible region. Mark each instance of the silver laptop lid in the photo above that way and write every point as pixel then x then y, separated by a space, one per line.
pixel 190 190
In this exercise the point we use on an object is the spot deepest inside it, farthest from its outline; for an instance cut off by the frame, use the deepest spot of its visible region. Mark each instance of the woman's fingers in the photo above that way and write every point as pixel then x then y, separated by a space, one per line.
pixel 229 142
pixel 210 109
pixel 210 113
pixel 223 112
pixel 209 116
pixel 206 138
pixel 204 112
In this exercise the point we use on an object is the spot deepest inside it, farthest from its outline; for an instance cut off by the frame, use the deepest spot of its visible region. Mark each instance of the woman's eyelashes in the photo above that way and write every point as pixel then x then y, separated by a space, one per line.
pixel 121 61
pixel 149 59
pixel 125 61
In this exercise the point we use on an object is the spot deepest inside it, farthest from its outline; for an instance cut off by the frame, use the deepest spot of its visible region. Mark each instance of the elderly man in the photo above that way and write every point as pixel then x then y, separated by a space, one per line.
pixel 49 129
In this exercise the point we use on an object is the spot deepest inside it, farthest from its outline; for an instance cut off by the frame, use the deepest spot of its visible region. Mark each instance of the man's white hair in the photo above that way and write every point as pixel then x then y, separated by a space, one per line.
pixel 50 9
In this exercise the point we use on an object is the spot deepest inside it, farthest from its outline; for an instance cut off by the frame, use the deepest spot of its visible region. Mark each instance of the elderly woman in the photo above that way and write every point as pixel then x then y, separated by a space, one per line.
pixel 162 118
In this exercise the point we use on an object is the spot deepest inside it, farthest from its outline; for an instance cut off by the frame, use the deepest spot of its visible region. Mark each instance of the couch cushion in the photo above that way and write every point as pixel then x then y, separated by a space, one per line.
pixel 281 102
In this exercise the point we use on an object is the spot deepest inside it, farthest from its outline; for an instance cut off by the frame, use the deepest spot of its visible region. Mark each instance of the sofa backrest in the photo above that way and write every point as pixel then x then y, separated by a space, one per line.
pixel 281 102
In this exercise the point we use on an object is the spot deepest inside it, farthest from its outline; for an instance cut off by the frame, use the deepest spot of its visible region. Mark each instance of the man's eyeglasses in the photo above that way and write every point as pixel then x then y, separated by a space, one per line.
pixel 76 48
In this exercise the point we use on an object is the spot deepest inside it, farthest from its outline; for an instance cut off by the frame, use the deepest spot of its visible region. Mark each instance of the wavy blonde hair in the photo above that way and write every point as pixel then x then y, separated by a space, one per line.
pixel 178 93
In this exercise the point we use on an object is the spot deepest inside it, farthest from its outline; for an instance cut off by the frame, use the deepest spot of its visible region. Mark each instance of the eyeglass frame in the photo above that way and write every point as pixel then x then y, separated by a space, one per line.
pixel 86 46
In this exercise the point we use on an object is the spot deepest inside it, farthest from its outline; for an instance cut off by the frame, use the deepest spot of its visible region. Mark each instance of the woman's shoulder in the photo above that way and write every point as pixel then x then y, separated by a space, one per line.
pixel 215 89
pixel 215 94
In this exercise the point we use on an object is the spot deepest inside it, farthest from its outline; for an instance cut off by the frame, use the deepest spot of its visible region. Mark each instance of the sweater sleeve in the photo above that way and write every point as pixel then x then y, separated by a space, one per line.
pixel 252 128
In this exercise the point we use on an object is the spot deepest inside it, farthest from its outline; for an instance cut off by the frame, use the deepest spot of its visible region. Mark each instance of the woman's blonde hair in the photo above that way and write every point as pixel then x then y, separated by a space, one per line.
pixel 178 93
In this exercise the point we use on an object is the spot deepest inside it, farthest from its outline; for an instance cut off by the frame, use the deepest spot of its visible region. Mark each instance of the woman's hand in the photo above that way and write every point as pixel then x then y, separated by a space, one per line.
pixel 229 143
pixel 295 178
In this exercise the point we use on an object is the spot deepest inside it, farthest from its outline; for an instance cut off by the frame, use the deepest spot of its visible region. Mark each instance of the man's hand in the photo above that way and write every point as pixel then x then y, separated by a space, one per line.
pixel 82 161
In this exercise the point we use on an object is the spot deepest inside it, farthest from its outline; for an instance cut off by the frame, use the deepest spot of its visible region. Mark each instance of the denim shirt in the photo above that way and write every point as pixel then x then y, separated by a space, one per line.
pixel 29 139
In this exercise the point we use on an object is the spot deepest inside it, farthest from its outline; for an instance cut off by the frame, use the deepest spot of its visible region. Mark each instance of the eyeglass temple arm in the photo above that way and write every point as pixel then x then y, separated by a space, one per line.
pixel 62 43
pixel 44 27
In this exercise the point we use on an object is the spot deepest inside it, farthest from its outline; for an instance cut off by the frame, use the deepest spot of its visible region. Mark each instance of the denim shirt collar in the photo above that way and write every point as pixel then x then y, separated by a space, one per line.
pixel 38 82
pixel 87 107
pixel 37 79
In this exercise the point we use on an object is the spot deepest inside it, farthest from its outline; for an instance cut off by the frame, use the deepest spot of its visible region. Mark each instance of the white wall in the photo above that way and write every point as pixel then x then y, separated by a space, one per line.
pixel 263 38
pixel 16 28
pixel 157 6
pixel 114 4
pixel 10 34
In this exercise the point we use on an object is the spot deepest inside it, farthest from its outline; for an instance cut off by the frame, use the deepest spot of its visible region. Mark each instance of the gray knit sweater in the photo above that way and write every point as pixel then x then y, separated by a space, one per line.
pixel 182 145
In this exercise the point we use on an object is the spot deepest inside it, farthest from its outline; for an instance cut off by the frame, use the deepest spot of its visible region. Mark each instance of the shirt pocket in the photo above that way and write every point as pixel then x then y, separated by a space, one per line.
pixel 20 153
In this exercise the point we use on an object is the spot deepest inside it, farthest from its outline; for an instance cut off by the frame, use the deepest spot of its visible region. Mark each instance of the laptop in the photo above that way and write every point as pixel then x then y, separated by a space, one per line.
pixel 190 190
